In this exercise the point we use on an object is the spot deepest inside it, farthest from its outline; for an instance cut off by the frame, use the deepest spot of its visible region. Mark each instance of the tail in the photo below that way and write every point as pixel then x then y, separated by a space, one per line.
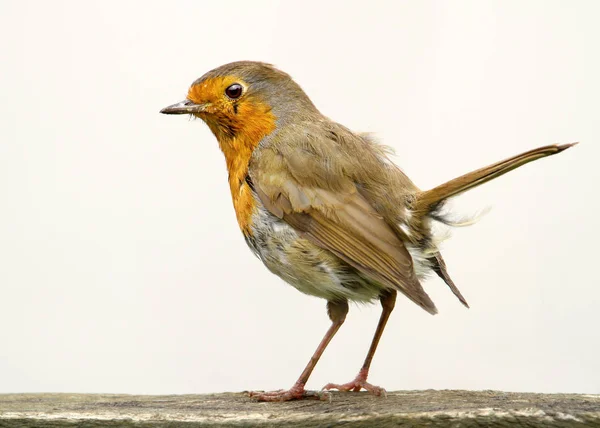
pixel 429 200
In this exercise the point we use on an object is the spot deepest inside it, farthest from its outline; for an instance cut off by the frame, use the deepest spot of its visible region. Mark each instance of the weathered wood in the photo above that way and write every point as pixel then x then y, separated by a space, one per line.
pixel 401 408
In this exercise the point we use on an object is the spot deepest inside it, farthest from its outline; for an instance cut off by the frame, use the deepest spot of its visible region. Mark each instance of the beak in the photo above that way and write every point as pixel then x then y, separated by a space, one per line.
pixel 184 107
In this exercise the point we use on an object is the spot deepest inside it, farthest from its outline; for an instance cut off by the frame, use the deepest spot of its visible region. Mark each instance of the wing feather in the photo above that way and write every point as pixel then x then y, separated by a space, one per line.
pixel 344 223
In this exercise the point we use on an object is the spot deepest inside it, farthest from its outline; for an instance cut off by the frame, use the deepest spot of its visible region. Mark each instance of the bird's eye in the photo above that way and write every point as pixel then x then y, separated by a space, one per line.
pixel 234 91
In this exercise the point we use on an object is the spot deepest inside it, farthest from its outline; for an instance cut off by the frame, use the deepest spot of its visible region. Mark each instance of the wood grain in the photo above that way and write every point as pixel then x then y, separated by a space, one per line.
pixel 400 408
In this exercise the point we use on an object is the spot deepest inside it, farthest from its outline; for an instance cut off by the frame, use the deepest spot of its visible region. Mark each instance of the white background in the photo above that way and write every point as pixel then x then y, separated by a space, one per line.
pixel 122 268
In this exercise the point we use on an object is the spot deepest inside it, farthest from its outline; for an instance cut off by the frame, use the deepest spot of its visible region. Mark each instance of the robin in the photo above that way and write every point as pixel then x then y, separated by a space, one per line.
pixel 323 207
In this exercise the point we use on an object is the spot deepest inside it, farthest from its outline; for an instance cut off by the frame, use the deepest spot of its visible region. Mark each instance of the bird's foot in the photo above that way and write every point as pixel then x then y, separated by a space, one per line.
pixel 360 382
pixel 296 392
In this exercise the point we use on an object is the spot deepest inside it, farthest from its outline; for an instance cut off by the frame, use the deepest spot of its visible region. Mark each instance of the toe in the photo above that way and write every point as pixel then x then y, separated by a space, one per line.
pixel 295 393
pixel 375 390
pixel 356 386
pixel 344 388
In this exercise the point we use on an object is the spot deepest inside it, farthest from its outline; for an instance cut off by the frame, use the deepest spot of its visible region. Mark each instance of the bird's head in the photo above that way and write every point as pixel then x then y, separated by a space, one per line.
pixel 245 98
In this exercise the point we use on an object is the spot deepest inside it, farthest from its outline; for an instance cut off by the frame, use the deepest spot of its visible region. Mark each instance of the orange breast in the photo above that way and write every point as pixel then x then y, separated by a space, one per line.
pixel 244 205
pixel 254 123
pixel 239 127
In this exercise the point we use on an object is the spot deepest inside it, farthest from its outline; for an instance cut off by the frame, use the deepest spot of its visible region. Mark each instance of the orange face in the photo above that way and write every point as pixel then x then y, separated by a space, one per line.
pixel 231 110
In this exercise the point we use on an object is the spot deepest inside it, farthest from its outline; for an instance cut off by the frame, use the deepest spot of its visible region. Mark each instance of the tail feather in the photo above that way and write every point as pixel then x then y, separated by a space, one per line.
pixel 439 266
pixel 428 200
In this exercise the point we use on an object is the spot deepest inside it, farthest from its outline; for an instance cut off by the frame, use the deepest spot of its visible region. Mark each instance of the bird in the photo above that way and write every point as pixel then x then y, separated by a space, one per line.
pixel 323 207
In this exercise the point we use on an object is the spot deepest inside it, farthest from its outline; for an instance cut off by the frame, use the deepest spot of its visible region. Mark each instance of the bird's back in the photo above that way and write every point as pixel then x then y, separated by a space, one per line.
pixel 325 154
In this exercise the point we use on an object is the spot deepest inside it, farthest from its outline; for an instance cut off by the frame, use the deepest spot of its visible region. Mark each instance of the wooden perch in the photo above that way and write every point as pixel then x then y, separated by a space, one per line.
pixel 400 408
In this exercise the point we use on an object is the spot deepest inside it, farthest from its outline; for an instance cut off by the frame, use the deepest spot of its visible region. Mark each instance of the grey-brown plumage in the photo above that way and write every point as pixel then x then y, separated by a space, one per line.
pixel 323 207
pixel 340 192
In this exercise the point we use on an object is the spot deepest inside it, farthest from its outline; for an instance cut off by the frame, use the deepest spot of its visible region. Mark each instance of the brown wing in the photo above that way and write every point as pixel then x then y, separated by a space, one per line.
pixel 343 222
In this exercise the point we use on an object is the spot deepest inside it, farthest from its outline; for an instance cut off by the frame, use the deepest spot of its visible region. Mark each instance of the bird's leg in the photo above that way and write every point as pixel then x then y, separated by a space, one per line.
pixel 388 300
pixel 337 313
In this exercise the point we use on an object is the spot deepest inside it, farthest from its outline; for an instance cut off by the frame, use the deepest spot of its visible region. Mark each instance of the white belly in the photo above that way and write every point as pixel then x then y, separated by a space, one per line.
pixel 308 268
